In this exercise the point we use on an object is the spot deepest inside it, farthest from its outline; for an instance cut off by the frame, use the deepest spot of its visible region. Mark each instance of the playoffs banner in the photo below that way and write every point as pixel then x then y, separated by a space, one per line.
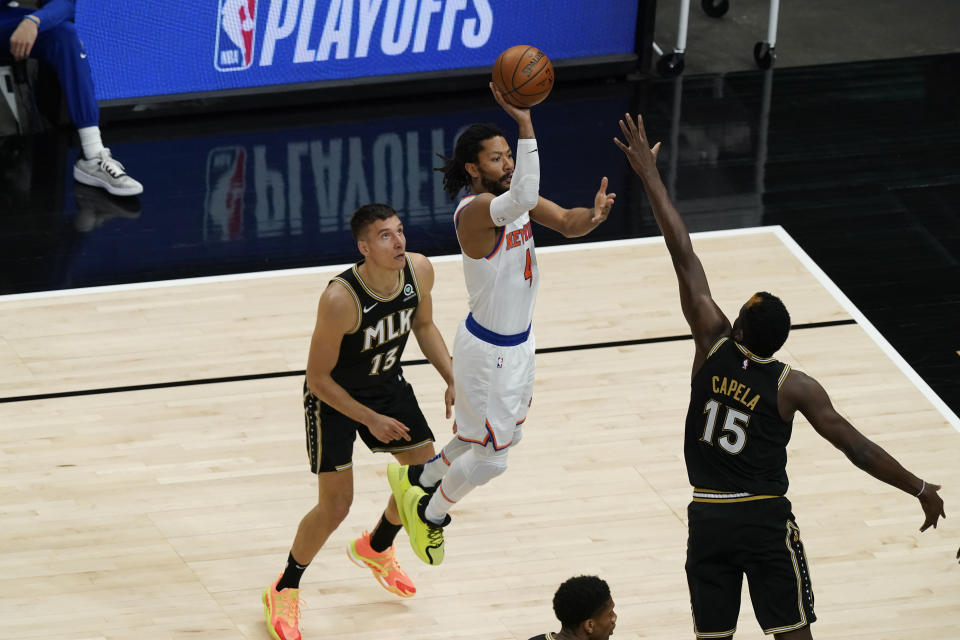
pixel 283 198
pixel 168 47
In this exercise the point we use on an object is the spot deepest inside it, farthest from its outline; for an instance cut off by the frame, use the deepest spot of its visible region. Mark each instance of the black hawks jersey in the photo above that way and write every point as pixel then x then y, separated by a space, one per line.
pixel 369 360
pixel 735 440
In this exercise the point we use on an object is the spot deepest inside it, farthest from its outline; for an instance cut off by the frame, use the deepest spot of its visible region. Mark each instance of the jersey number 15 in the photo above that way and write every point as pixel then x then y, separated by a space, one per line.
pixel 733 434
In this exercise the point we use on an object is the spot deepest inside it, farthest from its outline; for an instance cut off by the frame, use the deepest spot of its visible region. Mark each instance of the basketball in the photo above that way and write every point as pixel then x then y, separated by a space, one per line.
pixel 524 75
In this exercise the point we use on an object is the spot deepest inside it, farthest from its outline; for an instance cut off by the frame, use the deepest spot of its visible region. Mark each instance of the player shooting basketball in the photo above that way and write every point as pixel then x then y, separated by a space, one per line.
pixel 493 361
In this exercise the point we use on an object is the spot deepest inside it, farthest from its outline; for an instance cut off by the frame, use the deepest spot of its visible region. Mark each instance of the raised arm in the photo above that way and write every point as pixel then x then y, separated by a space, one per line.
pixel 802 393
pixel 707 322
pixel 576 222
pixel 337 315
pixel 479 222
pixel 426 331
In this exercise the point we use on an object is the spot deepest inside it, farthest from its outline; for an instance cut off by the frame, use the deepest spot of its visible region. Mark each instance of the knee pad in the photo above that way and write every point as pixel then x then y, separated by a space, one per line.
pixel 485 464
pixel 454 449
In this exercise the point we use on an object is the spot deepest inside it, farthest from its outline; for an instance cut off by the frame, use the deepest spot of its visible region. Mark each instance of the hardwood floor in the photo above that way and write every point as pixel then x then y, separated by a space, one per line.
pixel 163 512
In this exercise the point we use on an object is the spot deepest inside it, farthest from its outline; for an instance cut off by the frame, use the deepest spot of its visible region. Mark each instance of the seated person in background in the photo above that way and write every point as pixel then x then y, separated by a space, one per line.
pixel 48 34
pixel 585 610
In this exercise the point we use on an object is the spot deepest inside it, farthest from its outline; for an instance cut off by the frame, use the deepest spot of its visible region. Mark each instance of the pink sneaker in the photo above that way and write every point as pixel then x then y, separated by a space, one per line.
pixel 282 611
pixel 383 564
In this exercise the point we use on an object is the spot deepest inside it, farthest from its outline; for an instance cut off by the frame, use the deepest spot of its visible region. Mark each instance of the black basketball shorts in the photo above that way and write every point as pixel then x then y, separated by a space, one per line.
pixel 759 539
pixel 330 434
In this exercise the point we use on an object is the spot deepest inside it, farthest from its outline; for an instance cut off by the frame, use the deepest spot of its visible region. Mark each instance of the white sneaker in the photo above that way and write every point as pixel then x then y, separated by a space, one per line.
pixel 106 173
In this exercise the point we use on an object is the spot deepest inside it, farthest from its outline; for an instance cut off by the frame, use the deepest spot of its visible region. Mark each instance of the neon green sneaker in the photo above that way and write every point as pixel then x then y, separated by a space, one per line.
pixel 383 564
pixel 426 538
pixel 282 612
pixel 398 477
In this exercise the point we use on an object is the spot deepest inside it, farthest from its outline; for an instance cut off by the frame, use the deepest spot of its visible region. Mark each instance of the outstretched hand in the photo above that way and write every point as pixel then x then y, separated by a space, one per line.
pixel 602 203
pixel 641 156
pixel 932 505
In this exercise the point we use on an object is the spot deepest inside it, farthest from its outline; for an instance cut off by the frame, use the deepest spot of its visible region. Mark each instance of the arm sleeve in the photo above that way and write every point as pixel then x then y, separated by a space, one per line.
pixel 54 13
pixel 524 187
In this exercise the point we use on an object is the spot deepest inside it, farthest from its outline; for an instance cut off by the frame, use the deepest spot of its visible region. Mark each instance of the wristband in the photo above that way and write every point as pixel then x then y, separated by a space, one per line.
pixel 922 487
pixel 32 18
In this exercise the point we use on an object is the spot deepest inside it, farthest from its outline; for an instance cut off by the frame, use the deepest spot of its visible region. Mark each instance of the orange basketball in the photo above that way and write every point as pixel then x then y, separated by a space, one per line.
pixel 524 75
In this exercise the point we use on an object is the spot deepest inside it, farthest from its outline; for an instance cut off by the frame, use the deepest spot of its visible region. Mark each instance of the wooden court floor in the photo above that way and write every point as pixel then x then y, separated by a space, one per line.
pixel 163 512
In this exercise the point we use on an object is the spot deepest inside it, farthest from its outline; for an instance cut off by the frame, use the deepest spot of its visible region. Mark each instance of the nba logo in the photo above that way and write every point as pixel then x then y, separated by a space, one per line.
pixel 236 34
pixel 226 187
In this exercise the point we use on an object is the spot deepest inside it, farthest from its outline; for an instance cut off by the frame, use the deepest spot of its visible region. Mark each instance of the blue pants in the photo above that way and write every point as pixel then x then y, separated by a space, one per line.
pixel 62 48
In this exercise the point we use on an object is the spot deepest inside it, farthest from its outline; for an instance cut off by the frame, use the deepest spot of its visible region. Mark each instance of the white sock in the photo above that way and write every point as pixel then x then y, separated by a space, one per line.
pixel 441 501
pixel 454 486
pixel 91 142
pixel 436 467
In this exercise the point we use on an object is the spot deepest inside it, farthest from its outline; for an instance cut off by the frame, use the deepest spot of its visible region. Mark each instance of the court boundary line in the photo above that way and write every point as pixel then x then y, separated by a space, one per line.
pixel 867 326
pixel 148 386
pixel 777 230
pixel 335 268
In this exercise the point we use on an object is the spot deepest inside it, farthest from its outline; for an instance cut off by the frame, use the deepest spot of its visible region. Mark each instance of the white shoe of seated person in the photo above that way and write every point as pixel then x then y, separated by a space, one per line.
pixel 106 173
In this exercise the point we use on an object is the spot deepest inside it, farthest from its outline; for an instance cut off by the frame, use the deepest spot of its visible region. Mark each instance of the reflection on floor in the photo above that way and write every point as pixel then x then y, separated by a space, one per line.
pixel 857 162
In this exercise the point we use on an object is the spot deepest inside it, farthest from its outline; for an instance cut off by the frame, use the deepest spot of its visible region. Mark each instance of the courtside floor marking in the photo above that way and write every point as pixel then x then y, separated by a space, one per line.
pixel 336 268
pixel 405 363
pixel 867 326
pixel 775 230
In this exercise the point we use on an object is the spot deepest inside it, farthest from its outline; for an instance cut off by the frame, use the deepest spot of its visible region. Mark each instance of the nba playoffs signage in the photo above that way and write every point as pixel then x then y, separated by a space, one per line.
pixel 282 198
pixel 165 47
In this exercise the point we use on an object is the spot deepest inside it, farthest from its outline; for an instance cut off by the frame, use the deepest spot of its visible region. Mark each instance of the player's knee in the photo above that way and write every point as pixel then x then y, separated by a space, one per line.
pixel 64 33
pixel 62 40
pixel 337 507
pixel 487 465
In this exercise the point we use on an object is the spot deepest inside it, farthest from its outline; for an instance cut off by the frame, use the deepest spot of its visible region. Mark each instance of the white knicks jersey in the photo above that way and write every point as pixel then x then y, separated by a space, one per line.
pixel 502 287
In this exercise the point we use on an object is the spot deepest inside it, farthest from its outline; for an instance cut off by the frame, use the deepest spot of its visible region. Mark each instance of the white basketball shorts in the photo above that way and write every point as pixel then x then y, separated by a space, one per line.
pixel 493 376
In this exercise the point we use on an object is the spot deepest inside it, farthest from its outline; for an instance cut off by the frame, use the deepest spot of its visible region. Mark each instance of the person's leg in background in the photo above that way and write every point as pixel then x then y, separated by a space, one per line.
pixel 61 47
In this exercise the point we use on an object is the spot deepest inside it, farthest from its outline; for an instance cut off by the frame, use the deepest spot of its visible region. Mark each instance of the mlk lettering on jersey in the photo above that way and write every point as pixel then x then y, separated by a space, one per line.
pixel 388 328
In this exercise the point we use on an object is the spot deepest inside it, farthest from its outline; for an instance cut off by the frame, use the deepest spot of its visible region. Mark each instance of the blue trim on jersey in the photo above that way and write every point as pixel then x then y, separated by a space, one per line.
pixel 499 244
pixel 492 337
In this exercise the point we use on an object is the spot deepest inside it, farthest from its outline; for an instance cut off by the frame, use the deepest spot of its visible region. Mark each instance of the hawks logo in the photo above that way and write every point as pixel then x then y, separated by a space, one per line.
pixel 236 34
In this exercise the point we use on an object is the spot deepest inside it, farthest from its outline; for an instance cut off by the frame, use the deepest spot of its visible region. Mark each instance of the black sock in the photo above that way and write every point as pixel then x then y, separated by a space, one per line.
pixel 291 575
pixel 413 475
pixel 382 537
